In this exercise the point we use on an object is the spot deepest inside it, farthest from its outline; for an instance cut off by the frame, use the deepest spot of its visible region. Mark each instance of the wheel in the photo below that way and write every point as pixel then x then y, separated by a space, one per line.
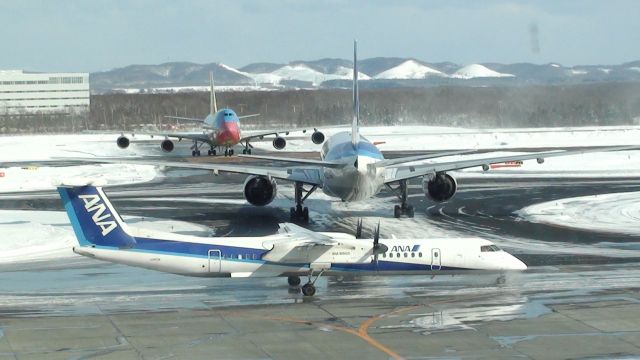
pixel 244 151
pixel 226 152
pixel 308 289
pixel 293 280
pixel 397 211
pixel 213 152
pixel 209 152
pixel 410 211
pixel 197 152
pixel 193 153
pixel 305 214
pixel 230 152
pixel 249 151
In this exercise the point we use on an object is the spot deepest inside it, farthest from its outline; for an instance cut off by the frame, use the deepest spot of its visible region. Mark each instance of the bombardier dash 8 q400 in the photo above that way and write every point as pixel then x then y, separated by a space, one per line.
pixel 351 168
pixel 221 130
pixel 293 252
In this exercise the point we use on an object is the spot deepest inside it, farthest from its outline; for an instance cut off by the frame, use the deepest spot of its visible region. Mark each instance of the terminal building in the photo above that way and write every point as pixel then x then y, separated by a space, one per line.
pixel 31 93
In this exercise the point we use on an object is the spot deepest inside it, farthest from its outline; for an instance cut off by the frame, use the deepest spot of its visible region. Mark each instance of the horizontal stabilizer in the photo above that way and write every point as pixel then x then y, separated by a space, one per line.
pixel 248 116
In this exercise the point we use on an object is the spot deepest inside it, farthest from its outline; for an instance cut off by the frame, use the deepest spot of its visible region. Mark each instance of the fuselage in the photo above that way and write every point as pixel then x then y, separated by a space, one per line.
pixel 356 180
pixel 248 256
pixel 225 128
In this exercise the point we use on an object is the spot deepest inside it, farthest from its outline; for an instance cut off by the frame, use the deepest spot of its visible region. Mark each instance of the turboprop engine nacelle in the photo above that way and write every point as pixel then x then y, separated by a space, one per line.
pixel 440 188
pixel 259 190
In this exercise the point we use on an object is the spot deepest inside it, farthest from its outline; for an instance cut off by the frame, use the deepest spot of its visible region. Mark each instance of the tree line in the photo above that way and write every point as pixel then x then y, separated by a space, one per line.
pixel 462 106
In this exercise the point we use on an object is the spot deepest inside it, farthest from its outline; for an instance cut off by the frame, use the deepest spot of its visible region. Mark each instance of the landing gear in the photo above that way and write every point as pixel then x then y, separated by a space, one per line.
pixel 293 280
pixel 247 149
pixel 195 149
pixel 300 213
pixel 309 289
pixel 212 152
pixel 403 208
pixel 228 152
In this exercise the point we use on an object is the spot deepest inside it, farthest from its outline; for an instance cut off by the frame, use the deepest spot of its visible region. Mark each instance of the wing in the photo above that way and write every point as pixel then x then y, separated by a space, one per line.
pixel 202 137
pixel 248 116
pixel 321 163
pixel 404 160
pixel 300 246
pixel 307 175
pixel 403 172
pixel 188 119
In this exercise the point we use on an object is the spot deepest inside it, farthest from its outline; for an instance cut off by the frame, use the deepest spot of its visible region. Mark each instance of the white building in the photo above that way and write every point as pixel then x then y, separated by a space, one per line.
pixel 23 93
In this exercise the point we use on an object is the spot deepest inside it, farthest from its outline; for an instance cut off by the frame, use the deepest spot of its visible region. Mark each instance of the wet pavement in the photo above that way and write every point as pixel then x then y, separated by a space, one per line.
pixel 579 298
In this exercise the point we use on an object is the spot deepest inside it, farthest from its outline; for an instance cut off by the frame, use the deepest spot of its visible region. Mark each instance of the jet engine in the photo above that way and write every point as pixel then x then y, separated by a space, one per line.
pixel 279 143
pixel 259 190
pixel 317 137
pixel 441 188
pixel 123 142
pixel 167 145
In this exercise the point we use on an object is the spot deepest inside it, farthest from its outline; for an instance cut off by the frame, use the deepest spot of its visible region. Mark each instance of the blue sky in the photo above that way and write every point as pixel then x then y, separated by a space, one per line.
pixel 48 35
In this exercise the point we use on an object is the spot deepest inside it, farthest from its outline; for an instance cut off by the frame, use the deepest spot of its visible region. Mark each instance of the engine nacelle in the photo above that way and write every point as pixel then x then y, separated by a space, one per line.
pixel 259 190
pixel 441 188
pixel 123 142
pixel 317 137
pixel 167 145
pixel 279 143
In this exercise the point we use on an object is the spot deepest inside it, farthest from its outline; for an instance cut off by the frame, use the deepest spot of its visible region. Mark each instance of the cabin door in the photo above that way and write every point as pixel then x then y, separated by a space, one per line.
pixel 436 259
pixel 214 260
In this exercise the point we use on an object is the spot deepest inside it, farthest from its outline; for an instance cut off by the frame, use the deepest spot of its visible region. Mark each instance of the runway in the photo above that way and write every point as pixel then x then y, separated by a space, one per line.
pixel 580 298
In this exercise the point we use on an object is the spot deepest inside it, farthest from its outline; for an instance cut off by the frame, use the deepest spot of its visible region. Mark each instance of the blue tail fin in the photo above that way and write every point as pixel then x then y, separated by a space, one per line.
pixel 93 218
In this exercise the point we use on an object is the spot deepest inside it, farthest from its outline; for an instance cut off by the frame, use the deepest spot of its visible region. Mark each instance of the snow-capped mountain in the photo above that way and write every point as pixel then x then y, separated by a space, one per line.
pixel 477 71
pixel 409 69
pixel 336 72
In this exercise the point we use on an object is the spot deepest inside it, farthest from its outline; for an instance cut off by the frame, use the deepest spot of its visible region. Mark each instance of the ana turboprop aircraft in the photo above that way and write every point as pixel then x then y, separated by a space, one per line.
pixel 221 130
pixel 351 168
pixel 293 252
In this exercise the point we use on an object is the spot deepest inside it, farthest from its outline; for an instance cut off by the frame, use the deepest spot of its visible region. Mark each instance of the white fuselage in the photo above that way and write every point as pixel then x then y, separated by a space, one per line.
pixel 356 180
pixel 263 257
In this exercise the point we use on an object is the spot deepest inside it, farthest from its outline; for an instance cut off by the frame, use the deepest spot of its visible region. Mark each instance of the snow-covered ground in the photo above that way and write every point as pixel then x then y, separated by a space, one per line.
pixel 612 213
pixel 45 235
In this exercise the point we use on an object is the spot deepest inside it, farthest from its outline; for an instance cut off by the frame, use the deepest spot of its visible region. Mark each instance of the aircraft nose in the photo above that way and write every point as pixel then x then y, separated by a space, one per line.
pixel 516 264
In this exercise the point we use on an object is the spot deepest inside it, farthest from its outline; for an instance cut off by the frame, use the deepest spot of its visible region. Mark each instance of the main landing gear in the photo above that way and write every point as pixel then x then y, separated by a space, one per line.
pixel 228 152
pixel 195 149
pixel 247 149
pixel 308 289
pixel 300 213
pixel 401 193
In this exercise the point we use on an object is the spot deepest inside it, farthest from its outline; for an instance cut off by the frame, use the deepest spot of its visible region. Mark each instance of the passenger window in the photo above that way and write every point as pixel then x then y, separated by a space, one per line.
pixel 384 255
pixel 419 254
pixel 413 255
pixel 390 255
pixel 398 255
pixel 406 255
pixel 435 254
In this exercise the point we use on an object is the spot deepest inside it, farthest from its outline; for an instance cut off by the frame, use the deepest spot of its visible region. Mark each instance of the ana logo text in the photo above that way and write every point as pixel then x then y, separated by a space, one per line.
pixel 408 248
pixel 92 203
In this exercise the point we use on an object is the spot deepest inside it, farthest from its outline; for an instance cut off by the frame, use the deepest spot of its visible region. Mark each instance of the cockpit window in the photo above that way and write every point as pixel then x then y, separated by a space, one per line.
pixel 489 248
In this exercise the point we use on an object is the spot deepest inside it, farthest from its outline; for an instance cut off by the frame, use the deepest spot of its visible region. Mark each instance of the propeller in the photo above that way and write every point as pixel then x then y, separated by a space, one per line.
pixel 359 229
pixel 377 247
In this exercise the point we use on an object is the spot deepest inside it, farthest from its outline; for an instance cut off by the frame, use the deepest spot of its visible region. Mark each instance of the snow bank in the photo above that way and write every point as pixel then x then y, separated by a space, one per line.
pixel 47 235
pixel 611 213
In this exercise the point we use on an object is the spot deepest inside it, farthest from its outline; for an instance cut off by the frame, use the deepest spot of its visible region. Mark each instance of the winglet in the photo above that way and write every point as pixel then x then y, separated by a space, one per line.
pixel 355 136
pixel 213 107
pixel 94 220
